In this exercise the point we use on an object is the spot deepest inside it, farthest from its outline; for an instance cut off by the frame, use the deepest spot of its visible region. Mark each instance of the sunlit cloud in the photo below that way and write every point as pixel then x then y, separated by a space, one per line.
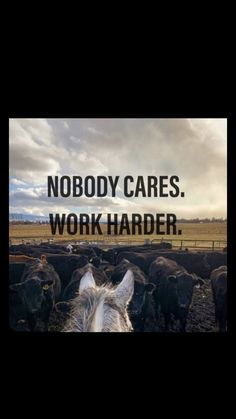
pixel 193 149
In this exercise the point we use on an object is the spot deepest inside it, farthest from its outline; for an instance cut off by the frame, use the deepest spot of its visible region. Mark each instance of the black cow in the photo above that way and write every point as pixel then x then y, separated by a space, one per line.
pixel 73 286
pixel 107 268
pixel 216 259
pixel 87 251
pixel 141 308
pixel 36 250
pixel 39 288
pixel 66 264
pixel 111 255
pixel 193 262
pixel 142 260
pixel 219 291
pixel 108 255
pixel 174 291
pixel 97 250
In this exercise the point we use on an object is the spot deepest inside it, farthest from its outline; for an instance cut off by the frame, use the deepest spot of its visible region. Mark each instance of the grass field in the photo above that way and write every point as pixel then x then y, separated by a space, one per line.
pixel 190 231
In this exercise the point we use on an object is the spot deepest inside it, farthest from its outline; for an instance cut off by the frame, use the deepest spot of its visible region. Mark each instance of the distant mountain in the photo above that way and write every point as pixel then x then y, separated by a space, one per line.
pixel 26 217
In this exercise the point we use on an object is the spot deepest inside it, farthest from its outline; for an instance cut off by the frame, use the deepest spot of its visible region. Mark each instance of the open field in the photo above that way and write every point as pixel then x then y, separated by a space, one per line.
pixel 190 231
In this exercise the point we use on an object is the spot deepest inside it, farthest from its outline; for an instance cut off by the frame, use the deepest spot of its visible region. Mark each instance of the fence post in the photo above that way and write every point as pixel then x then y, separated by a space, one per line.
pixel 213 244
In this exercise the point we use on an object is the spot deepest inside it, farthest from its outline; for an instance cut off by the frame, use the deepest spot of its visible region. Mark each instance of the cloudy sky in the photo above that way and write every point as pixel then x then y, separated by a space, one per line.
pixel 193 149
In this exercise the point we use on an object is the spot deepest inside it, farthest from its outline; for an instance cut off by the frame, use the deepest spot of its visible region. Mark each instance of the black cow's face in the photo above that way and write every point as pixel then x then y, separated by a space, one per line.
pixel 138 299
pixel 135 306
pixel 33 292
pixel 183 286
pixel 33 295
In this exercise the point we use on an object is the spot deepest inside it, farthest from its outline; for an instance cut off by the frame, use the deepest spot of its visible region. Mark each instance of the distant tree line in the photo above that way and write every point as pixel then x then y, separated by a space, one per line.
pixel 26 222
pixel 203 220
pixel 180 220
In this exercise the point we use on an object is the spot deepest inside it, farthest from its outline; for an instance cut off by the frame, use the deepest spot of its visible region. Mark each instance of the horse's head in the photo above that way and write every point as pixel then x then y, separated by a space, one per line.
pixel 101 309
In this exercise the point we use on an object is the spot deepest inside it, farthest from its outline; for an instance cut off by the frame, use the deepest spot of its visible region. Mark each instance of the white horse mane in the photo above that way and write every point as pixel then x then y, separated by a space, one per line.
pixel 101 309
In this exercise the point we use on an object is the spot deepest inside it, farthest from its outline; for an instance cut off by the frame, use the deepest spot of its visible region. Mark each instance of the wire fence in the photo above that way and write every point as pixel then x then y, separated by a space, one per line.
pixel 176 243
pixel 193 244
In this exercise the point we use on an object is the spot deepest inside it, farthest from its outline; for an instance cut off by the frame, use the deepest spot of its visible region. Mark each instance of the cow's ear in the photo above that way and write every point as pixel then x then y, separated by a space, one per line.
pixel 150 287
pixel 17 287
pixel 124 291
pixel 87 281
pixel 173 279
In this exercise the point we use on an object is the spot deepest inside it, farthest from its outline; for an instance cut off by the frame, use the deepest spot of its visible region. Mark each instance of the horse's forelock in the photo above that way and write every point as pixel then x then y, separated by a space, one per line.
pixel 94 310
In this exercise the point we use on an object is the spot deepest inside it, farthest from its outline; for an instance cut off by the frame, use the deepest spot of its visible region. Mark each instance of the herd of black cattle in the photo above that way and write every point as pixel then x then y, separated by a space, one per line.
pixel 165 281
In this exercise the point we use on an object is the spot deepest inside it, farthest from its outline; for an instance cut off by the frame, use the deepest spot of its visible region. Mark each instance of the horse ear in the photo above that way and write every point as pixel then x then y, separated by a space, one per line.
pixel 87 281
pixel 124 291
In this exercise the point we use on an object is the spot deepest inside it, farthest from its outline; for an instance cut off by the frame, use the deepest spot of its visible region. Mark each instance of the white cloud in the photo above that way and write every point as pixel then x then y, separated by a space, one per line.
pixel 96 131
pixel 33 152
pixel 75 139
pixel 17 182
pixel 193 149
